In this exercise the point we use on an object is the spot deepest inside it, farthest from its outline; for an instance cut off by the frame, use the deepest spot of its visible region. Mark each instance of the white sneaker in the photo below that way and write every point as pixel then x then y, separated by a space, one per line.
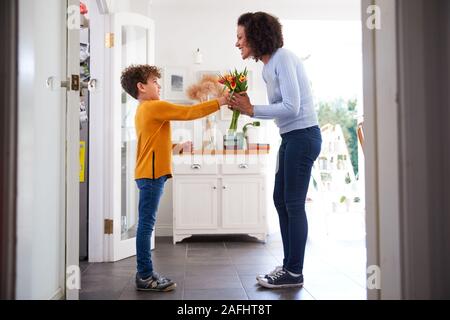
pixel 271 273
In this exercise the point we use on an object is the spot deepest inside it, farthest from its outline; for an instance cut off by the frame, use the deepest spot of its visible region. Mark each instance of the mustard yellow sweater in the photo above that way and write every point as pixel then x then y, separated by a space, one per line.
pixel 154 146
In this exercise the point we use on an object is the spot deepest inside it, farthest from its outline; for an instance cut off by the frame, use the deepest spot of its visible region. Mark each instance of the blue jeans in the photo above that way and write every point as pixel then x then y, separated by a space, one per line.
pixel 298 151
pixel 150 191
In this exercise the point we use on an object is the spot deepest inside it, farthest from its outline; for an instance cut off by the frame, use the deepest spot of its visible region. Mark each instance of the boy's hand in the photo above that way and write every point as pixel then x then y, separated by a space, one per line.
pixel 224 100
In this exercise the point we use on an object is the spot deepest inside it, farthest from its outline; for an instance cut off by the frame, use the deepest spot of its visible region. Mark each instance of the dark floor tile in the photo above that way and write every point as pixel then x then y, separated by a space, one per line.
pixel 249 254
pixel 254 269
pixel 215 294
pixel 254 260
pixel 208 253
pixel 175 260
pixel 102 287
pixel 260 293
pixel 212 282
pixel 170 252
pixel 244 245
pixel 210 270
pixel 209 260
pixel 168 269
pixel 100 295
pixel 249 281
pixel 205 245
pixel 165 240
pixel 110 269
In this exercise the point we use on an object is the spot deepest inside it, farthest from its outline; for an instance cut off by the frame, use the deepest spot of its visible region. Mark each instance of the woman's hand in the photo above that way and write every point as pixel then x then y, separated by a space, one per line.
pixel 241 102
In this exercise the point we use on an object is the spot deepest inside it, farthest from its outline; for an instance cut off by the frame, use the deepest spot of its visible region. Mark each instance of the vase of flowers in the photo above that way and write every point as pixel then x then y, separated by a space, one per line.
pixel 234 82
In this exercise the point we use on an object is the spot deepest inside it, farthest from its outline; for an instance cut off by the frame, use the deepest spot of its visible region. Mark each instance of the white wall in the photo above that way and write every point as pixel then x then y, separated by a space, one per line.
pixel 184 26
pixel 134 6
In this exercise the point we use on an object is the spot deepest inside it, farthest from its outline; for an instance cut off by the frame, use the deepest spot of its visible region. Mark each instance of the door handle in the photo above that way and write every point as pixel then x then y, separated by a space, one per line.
pixel 91 85
pixel 51 83
pixel 69 83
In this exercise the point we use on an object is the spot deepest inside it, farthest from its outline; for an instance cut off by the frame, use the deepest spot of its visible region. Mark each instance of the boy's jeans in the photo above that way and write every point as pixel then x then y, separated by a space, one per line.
pixel 150 191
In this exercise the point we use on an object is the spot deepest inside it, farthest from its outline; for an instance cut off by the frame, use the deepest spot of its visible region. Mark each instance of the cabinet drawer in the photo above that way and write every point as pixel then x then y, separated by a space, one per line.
pixel 242 168
pixel 195 168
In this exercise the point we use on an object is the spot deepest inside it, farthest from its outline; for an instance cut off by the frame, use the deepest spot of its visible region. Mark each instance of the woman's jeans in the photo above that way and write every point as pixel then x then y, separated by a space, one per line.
pixel 150 191
pixel 298 151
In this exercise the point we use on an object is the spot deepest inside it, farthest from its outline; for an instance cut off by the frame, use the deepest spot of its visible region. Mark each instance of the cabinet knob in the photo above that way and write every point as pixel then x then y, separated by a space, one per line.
pixel 215 188
pixel 243 166
pixel 196 167
pixel 224 188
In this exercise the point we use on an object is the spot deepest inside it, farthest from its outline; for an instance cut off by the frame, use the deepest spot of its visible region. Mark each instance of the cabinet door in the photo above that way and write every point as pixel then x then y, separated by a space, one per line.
pixel 242 202
pixel 195 203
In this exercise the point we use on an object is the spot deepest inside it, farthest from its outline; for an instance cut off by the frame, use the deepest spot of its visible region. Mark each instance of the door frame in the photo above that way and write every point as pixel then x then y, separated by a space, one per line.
pixel 8 140
pixel 382 141
pixel 72 163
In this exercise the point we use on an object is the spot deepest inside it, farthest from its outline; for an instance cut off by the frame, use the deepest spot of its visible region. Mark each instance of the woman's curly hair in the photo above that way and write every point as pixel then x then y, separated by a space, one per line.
pixel 263 33
pixel 134 74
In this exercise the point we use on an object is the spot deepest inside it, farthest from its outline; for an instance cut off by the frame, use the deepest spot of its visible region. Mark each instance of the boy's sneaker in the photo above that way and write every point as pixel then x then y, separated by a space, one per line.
pixel 155 283
pixel 281 279
pixel 271 273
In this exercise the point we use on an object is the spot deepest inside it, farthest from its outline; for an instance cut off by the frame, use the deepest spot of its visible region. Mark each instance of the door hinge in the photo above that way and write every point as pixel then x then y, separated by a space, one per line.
pixel 109 40
pixel 109 226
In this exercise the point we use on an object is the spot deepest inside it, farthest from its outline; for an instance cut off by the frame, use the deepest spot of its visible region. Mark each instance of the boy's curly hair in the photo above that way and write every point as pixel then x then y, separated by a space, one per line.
pixel 263 33
pixel 134 74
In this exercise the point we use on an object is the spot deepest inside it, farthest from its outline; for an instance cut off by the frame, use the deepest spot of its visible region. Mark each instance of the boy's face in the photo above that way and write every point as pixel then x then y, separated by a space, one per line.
pixel 149 90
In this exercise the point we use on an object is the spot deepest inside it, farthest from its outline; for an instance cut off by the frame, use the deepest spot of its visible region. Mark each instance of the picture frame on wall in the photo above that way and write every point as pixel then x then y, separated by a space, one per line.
pixel 175 84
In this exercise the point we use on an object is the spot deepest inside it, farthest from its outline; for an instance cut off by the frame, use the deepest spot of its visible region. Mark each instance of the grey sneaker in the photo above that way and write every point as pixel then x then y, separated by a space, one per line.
pixel 271 273
pixel 281 279
pixel 155 283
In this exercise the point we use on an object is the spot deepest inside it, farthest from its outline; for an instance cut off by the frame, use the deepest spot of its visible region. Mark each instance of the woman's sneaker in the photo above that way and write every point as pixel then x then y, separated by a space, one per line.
pixel 281 279
pixel 271 273
pixel 155 283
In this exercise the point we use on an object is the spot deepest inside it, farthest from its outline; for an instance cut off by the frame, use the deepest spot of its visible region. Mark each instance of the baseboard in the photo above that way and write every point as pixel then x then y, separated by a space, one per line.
pixel 164 230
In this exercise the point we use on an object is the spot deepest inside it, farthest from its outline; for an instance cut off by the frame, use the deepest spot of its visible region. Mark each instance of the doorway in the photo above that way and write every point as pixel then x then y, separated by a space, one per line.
pixel 332 54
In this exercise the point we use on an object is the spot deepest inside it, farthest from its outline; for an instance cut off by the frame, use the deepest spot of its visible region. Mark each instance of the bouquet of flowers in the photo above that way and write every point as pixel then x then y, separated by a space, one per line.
pixel 235 82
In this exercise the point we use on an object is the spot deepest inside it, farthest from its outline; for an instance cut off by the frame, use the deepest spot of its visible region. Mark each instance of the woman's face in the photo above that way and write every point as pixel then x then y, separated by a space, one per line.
pixel 242 44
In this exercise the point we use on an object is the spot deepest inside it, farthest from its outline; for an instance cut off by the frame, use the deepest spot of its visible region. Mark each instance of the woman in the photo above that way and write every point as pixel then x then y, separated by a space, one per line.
pixel 259 36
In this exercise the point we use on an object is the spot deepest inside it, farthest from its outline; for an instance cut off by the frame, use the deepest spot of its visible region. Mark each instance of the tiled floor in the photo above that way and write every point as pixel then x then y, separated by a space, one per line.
pixel 225 268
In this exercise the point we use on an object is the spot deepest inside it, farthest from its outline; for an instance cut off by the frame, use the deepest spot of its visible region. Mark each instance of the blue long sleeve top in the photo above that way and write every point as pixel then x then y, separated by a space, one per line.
pixel 289 93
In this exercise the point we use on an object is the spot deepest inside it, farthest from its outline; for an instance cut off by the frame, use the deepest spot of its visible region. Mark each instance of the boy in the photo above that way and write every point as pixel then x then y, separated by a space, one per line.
pixel 154 159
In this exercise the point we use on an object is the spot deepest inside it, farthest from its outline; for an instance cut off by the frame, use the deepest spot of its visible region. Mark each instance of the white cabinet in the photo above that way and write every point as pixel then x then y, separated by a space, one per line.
pixel 195 203
pixel 242 202
pixel 219 197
